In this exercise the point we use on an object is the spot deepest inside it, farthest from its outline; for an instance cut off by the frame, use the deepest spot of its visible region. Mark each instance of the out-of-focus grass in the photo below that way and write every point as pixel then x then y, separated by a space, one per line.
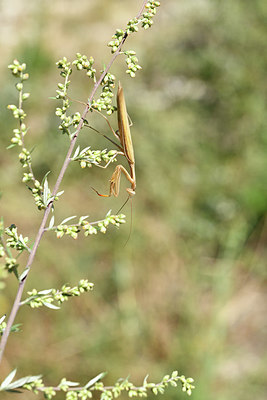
pixel 187 291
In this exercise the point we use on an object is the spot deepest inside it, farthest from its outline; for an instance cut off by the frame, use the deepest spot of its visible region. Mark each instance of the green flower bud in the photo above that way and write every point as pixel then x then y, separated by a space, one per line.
pixel 25 96
pixel 19 86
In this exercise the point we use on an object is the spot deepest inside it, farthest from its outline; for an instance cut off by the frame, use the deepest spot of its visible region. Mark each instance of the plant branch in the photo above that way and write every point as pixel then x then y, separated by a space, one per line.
pixel 41 230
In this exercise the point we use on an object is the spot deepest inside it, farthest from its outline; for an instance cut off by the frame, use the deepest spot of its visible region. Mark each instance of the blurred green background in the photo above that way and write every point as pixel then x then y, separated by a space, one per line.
pixel 187 291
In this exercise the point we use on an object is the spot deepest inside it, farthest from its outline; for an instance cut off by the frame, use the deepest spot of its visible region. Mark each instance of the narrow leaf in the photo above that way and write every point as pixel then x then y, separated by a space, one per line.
pixel 70 383
pixel 82 218
pixel 84 150
pixel 161 389
pixel 22 240
pixel 8 379
pixel 44 178
pixel 67 219
pixel 52 306
pixel 46 191
pixel 155 390
pixel 20 382
pixel 145 380
pixel 108 213
pixel 76 153
pixel 45 291
pixel 15 328
pixel 51 223
pixel 94 380
pixel 24 274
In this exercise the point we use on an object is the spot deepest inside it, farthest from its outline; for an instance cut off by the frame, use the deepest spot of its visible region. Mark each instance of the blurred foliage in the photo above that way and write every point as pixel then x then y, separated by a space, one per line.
pixel 187 291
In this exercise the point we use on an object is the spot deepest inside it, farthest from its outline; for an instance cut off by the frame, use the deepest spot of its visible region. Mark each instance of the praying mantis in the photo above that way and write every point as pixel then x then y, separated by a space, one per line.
pixel 126 149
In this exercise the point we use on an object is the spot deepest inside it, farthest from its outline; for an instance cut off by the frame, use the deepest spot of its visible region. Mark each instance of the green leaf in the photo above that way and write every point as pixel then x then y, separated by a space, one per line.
pixel 108 213
pixel 82 218
pixel 20 382
pixel 174 374
pixel 46 192
pixel 67 219
pixel 94 380
pixel 145 380
pixel 85 150
pixel 45 291
pixel 155 390
pixel 44 178
pixel 161 389
pixel 52 306
pixel 51 223
pixel 24 274
pixel 76 152
pixel 70 383
pixel 8 379
pixel 15 328
pixel 21 238
pixel 2 318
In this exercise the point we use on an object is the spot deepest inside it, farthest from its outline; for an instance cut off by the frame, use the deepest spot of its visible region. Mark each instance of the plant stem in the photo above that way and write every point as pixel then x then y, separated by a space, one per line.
pixel 41 230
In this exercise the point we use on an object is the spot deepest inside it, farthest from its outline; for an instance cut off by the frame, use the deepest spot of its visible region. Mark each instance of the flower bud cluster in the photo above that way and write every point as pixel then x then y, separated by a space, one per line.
pixel 64 66
pixel 16 241
pixel 101 226
pixel 48 297
pixel 117 38
pixel 37 192
pixel 67 121
pixel 69 230
pixel 18 113
pixel 42 194
pixel 146 21
pixel 82 62
pixel 11 264
pixel 106 96
pixel 27 177
pixel 147 17
pixel 75 391
pixel 62 94
pixel 89 228
pixel 19 134
pixel 132 26
pixel 25 157
pixel 88 157
pixel 18 70
pixel 132 63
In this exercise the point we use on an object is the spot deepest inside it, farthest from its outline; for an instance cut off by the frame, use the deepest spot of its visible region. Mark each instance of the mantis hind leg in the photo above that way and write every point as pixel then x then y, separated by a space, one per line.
pixel 114 187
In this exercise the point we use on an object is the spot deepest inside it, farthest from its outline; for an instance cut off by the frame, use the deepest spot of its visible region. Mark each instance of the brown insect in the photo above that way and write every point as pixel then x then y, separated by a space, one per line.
pixel 126 149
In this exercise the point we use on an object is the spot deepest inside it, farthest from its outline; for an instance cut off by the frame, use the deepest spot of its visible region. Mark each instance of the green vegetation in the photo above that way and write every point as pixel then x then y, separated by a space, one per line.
pixel 187 291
